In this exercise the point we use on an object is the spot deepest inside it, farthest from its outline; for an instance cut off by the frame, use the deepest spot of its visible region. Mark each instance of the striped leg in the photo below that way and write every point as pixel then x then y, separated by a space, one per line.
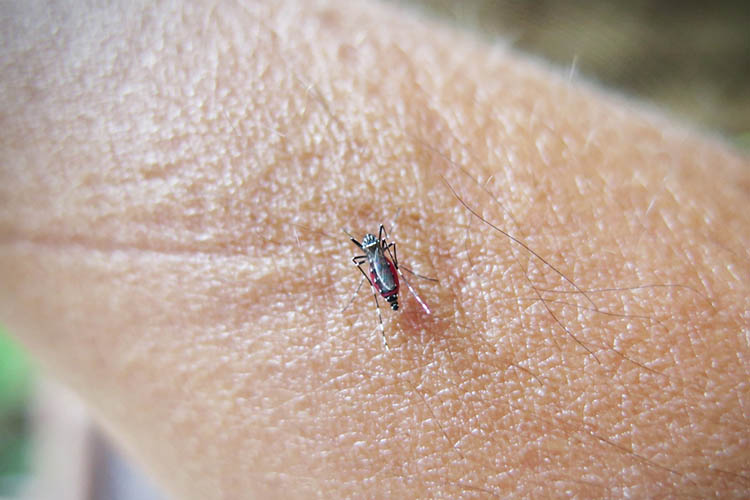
pixel 374 296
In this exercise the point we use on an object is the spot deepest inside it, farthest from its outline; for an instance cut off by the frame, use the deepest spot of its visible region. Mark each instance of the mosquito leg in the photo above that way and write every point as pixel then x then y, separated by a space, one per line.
pixel 380 319
pixel 394 258
pixel 382 231
pixel 414 292
pixel 358 260
pixel 392 254
pixel 391 249
pixel 354 295
pixel 377 304
pixel 419 275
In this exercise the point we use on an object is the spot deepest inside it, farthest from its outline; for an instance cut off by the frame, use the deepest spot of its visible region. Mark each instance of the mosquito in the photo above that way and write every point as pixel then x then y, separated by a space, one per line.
pixel 383 273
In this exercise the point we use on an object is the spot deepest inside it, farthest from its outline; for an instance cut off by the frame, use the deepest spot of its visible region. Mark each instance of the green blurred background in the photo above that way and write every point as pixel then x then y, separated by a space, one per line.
pixel 691 58
pixel 15 383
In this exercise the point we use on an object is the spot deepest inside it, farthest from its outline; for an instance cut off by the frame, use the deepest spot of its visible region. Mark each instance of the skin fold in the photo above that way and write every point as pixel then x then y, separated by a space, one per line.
pixel 173 184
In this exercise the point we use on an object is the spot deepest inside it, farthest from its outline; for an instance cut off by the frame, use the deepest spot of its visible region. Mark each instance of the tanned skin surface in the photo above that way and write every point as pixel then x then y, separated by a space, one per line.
pixel 173 184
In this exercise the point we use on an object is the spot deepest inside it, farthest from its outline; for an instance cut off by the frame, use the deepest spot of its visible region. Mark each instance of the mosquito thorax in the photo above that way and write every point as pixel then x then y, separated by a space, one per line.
pixel 369 241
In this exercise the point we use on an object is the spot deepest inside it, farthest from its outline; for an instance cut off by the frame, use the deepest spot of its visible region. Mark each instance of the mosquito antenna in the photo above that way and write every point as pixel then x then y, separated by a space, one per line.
pixel 352 238
pixel 395 220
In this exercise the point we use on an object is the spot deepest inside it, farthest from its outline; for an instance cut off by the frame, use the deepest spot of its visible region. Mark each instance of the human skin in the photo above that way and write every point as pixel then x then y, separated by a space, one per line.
pixel 173 187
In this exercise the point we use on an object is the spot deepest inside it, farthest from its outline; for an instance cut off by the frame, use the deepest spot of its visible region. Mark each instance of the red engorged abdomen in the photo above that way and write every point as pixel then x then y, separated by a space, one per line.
pixel 375 282
pixel 394 276
pixel 394 273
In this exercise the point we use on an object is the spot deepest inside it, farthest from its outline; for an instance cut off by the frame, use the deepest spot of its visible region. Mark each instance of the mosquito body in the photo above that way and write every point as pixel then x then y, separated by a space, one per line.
pixel 383 273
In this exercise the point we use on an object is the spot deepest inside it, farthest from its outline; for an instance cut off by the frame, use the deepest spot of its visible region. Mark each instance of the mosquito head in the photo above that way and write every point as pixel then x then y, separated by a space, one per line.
pixel 369 242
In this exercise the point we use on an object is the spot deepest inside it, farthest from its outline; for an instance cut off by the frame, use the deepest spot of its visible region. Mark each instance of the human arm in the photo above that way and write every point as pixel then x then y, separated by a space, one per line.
pixel 173 186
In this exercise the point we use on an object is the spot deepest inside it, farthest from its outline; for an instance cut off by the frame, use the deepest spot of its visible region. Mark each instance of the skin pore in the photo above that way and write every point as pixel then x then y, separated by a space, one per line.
pixel 173 187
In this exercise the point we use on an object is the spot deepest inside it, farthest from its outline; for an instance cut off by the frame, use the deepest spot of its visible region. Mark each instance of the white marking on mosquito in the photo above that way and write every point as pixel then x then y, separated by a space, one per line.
pixel 384 270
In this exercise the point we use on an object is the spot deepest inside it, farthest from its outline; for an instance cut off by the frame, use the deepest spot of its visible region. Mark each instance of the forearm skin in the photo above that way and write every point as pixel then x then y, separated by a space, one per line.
pixel 173 187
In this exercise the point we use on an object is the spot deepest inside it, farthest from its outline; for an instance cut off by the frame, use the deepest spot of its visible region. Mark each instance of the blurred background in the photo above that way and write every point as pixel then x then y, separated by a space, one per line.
pixel 692 59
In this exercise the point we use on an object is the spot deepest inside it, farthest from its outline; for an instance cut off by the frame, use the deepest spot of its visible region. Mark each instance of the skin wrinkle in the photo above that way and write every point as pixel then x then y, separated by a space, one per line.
pixel 197 359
